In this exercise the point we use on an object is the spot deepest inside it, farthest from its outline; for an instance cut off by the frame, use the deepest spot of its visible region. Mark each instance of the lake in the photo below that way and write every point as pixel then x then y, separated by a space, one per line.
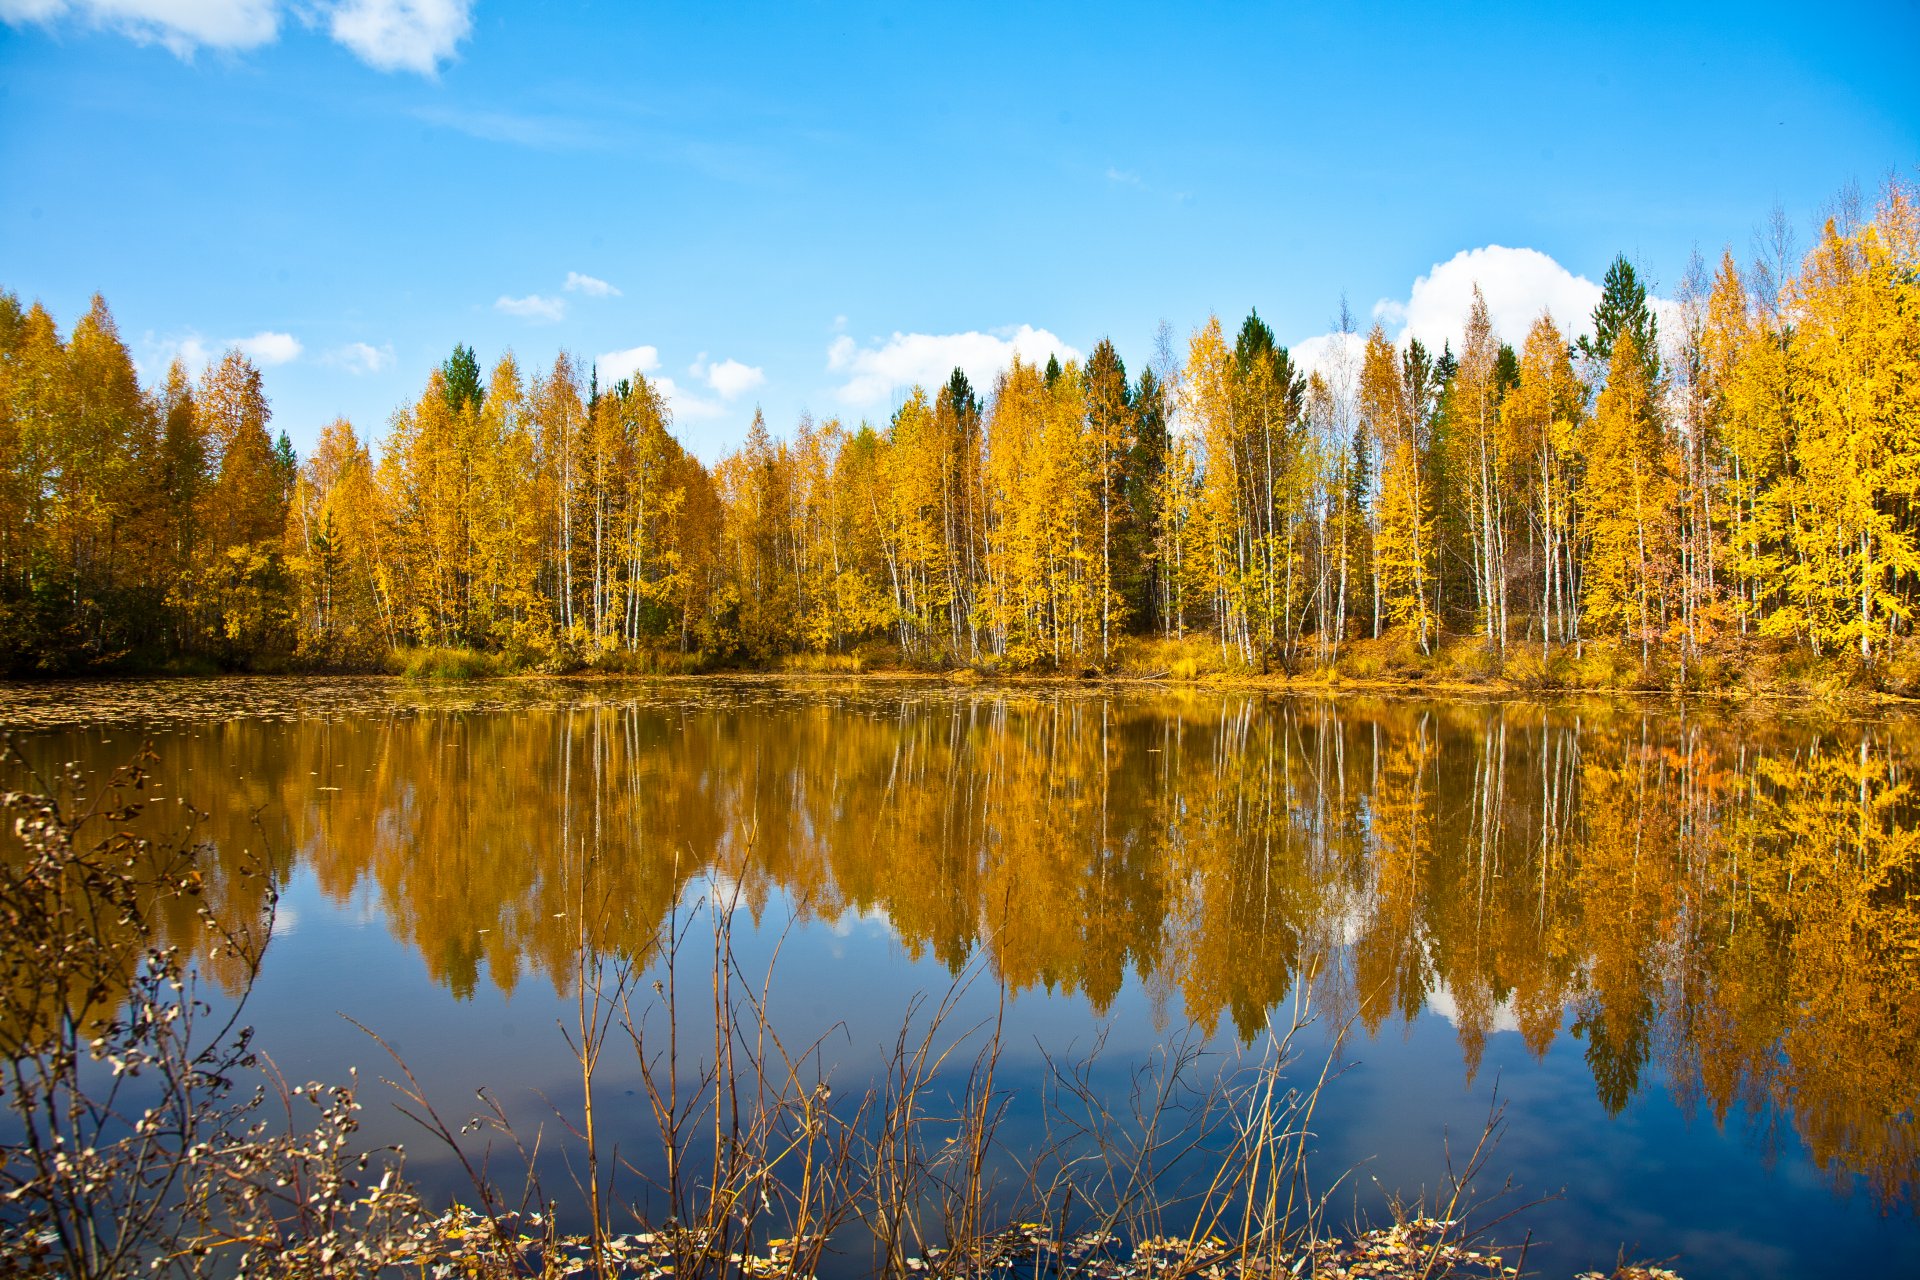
pixel 1681 946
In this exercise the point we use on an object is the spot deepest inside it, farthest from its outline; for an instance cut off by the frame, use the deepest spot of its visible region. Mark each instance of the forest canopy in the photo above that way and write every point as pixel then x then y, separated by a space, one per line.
pixel 1747 477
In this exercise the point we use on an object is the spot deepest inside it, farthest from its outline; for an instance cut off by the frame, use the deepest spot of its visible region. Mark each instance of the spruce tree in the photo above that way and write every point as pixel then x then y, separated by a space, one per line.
pixel 1623 309
pixel 462 372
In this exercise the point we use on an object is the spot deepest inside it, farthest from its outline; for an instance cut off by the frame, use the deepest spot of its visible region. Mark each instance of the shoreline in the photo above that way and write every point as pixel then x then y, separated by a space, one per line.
pixel 1316 684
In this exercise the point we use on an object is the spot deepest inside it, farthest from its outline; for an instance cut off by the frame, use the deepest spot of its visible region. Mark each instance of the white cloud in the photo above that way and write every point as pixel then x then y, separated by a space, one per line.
pixel 360 358
pixel 268 347
pixel 532 307
pixel 593 288
pixel 927 359
pixel 728 377
pixel 390 35
pixel 1518 285
pixel 1123 177
pixel 402 35
pixel 615 365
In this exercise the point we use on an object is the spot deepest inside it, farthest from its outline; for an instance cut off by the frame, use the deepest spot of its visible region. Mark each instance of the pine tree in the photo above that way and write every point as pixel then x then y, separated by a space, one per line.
pixel 462 380
pixel 1142 581
pixel 1623 309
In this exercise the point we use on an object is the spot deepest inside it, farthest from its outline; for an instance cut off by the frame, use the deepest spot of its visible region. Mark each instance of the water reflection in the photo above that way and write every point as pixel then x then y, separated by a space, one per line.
pixel 1731 901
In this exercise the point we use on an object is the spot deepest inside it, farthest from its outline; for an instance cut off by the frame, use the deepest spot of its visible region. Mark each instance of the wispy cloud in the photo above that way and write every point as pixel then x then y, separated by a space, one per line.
pixel 157 354
pixel 196 352
pixel 540 132
pixel 589 285
pixel 873 373
pixel 686 405
pixel 532 307
pixel 1123 177
pixel 389 35
pixel 359 358
pixel 180 26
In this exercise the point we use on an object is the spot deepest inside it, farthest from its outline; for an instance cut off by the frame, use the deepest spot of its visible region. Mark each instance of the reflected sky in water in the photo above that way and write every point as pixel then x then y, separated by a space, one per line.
pixel 1683 945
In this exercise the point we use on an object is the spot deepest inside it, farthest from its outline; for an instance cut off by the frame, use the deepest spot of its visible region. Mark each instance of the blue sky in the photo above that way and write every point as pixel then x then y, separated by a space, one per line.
pixel 805 207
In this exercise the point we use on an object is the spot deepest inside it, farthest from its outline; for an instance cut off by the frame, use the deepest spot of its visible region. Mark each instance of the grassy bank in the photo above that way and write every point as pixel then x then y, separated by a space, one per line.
pixel 1735 669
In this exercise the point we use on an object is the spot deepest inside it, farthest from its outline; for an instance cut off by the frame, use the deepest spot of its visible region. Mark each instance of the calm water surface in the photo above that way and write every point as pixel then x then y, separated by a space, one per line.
pixel 1683 947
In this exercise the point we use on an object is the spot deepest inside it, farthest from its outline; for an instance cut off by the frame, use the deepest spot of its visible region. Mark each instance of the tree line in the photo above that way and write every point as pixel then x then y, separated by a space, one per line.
pixel 1750 474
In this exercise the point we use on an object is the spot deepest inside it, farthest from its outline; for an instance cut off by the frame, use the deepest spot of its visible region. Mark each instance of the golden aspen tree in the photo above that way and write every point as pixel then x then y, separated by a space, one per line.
pixel 1403 531
pixel 1623 495
pixel 1342 486
pixel 708 602
pixel 1695 407
pixel 1220 518
pixel 1183 556
pixel 652 502
pixel 1474 402
pixel 1083 602
pixel 604 459
pixel 244 577
pixel 958 429
pixel 339 603
pixel 756 488
pixel 244 503
pixel 508 518
pixel 1540 421
pixel 808 506
pixel 558 422
pixel 911 515
pixel 1017 558
pixel 1744 370
pixel 1855 351
pixel 859 545
pixel 421 474
pixel 1110 426
pixel 35 387
pixel 102 493
pixel 183 484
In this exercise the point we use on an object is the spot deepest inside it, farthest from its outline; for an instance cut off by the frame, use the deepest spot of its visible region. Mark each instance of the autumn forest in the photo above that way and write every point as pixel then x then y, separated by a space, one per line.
pixel 1743 475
